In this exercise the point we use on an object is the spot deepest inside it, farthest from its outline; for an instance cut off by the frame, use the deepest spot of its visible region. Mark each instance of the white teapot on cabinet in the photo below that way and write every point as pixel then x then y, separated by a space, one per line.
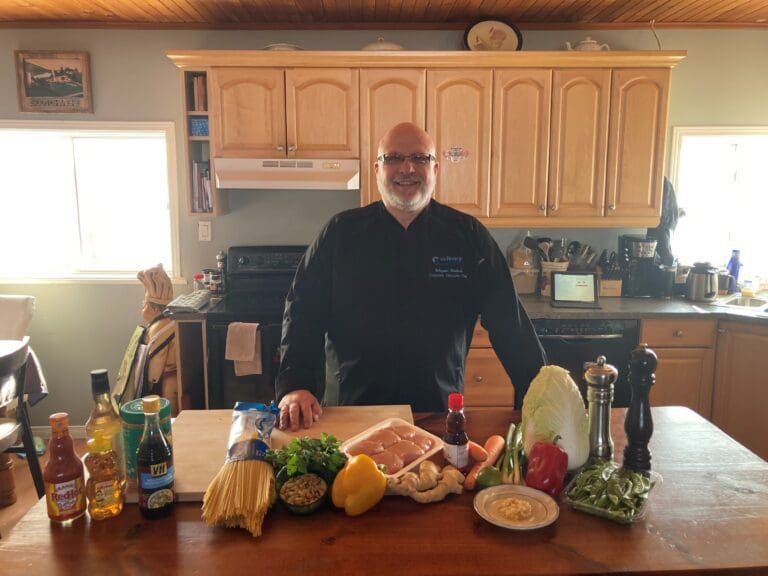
pixel 588 45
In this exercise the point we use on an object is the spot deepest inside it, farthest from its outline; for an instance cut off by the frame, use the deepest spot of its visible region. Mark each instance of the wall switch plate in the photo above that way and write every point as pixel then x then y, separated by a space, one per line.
pixel 204 231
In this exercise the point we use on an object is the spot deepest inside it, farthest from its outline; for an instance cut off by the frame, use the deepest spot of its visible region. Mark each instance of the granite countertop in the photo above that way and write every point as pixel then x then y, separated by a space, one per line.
pixel 629 308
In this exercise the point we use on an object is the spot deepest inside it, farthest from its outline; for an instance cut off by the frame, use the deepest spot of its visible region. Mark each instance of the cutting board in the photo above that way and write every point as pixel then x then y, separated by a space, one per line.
pixel 200 439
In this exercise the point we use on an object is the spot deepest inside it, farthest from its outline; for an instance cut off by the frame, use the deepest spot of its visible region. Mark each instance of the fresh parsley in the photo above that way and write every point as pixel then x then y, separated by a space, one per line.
pixel 302 455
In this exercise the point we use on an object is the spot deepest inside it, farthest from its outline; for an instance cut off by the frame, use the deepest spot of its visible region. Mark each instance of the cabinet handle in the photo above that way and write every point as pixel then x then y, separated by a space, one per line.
pixel 478 378
pixel 611 207
pixel 280 148
pixel 677 334
pixel 292 148
pixel 553 207
pixel 722 331
pixel 542 207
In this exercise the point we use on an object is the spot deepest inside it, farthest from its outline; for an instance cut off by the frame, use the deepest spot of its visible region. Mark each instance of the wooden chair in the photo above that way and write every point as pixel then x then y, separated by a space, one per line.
pixel 14 420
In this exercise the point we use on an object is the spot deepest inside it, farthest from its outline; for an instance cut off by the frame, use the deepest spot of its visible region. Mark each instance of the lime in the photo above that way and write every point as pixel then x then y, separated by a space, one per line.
pixel 488 476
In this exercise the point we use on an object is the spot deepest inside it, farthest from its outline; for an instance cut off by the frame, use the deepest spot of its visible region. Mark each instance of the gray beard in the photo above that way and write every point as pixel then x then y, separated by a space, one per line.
pixel 413 205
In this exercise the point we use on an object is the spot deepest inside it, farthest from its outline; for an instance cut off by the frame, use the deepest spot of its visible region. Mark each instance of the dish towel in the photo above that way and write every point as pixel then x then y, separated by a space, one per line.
pixel 244 347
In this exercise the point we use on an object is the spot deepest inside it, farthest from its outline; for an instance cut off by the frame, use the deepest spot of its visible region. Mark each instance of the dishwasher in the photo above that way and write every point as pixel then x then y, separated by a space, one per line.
pixel 571 343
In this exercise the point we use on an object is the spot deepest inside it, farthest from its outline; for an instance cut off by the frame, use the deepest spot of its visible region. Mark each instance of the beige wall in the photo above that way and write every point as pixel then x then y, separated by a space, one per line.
pixel 78 327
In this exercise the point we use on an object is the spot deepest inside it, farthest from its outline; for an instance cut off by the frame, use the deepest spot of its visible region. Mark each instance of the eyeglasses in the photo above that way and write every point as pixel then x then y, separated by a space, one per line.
pixel 395 159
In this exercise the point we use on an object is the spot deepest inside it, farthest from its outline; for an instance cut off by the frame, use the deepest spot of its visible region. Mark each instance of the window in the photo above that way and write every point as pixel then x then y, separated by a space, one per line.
pixel 721 181
pixel 87 199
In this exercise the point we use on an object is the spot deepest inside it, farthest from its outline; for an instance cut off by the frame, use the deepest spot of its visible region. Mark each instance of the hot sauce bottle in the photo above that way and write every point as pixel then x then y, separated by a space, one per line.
pixel 63 474
pixel 455 440
pixel 154 464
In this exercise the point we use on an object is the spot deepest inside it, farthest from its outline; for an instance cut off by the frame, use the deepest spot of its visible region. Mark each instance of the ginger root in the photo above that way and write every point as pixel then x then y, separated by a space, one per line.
pixel 430 485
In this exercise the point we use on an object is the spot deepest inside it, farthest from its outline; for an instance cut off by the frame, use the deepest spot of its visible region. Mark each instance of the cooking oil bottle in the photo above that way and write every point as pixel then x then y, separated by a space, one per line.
pixel 104 490
pixel 105 420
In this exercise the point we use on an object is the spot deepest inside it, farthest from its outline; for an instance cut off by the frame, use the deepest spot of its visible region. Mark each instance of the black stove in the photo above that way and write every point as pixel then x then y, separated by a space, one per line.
pixel 256 282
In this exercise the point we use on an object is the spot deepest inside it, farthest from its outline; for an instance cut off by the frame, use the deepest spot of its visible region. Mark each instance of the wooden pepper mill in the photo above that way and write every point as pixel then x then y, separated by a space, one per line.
pixel 638 423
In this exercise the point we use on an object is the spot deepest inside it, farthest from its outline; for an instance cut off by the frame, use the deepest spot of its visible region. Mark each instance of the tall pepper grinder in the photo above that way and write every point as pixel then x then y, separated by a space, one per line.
pixel 600 378
pixel 638 423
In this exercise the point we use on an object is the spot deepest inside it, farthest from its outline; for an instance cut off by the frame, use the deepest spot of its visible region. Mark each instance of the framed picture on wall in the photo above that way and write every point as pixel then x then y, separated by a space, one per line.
pixel 53 81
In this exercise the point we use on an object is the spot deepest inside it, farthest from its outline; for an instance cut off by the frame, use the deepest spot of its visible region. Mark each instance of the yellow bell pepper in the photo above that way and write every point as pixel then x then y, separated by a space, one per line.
pixel 359 486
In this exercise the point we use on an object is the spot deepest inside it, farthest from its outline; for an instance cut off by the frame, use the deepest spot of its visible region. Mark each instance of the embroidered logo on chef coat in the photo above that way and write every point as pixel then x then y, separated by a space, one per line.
pixel 447 267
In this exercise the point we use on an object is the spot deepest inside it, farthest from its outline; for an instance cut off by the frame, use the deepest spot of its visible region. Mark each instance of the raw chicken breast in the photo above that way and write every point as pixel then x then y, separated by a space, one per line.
pixel 385 436
pixel 406 450
pixel 365 447
pixel 392 461
pixel 405 432
pixel 423 442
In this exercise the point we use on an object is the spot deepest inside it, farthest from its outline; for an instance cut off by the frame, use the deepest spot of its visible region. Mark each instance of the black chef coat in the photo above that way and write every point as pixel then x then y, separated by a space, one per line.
pixel 399 306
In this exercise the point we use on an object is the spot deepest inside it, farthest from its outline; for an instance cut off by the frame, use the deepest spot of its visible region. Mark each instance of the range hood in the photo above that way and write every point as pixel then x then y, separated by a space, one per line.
pixel 287 174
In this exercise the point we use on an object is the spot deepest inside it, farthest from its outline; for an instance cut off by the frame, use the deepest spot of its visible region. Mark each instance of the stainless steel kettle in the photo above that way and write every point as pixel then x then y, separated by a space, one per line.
pixel 702 283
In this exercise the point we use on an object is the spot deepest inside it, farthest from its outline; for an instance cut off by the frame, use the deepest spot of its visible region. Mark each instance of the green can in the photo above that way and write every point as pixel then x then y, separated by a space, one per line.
pixel 132 414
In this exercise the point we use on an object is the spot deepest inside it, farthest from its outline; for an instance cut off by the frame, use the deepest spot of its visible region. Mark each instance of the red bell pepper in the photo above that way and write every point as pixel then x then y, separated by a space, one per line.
pixel 547 466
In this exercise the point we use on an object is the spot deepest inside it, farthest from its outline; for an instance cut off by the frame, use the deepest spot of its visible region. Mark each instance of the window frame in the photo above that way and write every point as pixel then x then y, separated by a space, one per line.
pixel 101 127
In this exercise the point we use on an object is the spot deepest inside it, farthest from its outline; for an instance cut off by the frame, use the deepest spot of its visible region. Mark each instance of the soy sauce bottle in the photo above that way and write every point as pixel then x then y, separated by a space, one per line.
pixel 455 440
pixel 154 464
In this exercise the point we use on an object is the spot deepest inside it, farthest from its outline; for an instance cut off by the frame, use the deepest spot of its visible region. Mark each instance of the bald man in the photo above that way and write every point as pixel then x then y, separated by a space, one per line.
pixel 392 292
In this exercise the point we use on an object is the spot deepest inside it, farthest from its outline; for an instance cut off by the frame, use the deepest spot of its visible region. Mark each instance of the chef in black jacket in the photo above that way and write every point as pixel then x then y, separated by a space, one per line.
pixel 397 287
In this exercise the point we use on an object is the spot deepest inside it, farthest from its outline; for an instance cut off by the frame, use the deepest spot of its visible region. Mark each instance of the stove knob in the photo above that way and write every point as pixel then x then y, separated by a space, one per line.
pixel 242 260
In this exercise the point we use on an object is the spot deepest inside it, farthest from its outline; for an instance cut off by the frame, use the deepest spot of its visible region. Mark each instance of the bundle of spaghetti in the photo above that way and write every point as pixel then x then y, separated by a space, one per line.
pixel 243 490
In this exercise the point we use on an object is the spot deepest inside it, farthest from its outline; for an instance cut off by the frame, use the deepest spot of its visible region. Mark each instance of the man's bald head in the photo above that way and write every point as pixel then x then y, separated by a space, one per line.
pixel 409 135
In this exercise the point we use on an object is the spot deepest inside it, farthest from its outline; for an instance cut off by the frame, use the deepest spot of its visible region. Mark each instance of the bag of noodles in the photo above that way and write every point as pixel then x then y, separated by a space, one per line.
pixel 243 490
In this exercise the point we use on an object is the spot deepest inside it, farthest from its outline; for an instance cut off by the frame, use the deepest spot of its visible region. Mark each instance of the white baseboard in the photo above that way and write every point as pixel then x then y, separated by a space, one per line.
pixel 77 432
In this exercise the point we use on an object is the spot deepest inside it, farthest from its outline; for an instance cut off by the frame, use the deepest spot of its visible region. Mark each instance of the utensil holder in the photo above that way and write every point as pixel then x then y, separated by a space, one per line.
pixel 545 279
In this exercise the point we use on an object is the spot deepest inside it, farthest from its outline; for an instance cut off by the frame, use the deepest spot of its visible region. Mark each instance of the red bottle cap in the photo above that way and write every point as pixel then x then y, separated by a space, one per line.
pixel 455 401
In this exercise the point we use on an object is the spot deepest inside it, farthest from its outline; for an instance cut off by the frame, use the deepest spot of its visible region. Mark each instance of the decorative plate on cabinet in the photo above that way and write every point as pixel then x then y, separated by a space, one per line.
pixel 493 34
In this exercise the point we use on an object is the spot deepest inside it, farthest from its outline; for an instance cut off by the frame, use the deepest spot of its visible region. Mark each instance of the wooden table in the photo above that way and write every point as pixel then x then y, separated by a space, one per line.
pixel 709 516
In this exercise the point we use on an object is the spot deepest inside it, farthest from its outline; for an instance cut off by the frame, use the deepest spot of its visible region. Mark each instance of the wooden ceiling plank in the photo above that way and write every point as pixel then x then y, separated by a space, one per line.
pixel 369 10
pixel 183 11
pixel 312 9
pixel 683 11
pixel 751 14
pixel 547 11
pixel 580 10
pixel 616 11
pixel 723 9
pixel 645 11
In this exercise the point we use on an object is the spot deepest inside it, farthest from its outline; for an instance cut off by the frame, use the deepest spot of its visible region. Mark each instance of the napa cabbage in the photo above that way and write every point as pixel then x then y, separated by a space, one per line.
pixel 553 407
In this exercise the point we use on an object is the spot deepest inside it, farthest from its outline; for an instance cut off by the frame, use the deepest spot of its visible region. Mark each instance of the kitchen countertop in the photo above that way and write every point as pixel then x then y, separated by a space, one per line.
pixel 708 516
pixel 629 308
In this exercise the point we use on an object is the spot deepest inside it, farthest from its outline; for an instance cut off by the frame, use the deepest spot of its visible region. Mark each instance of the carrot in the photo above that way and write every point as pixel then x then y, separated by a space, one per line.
pixel 494 446
pixel 477 452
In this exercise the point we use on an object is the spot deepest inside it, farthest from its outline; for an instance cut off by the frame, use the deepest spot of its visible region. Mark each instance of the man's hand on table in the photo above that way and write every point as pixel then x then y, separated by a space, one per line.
pixel 299 408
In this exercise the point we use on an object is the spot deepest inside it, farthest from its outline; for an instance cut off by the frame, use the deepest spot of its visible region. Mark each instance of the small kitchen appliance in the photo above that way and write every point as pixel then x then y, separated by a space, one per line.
pixel 642 274
pixel 702 283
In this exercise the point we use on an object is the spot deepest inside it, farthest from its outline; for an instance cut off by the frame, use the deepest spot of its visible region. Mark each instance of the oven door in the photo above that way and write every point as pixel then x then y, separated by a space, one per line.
pixel 573 351
pixel 224 387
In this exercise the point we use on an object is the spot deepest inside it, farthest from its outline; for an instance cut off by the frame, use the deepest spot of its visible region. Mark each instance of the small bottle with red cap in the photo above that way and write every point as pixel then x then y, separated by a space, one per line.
pixel 455 440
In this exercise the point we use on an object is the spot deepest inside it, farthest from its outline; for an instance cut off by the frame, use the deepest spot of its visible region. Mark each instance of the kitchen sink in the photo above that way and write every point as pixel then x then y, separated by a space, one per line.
pixel 750 302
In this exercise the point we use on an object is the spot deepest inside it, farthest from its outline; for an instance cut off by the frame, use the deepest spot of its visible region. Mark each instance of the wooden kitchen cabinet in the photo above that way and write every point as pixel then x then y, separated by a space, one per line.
pixel 277 113
pixel 578 146
pixel 525 139
pixel 520 154
pixel 685 350
pixel 636 137
pixel 741 384
pixel 459 120
pixel 387 98
pixel 486 383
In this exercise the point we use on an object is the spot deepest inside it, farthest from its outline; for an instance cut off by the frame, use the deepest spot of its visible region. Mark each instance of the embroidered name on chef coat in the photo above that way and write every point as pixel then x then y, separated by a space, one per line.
pixel 447 267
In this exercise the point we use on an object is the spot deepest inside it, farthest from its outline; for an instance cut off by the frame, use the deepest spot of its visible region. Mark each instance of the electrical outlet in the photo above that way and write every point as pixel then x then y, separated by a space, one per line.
pixel 204 231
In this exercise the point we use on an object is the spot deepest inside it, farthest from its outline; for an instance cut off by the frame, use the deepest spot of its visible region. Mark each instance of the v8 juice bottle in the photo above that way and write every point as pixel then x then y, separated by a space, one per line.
pixel 154 464
pixel 63 474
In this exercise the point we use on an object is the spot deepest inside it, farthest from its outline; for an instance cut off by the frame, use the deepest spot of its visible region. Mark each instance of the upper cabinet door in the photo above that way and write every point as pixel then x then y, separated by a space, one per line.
pixel 520 154
pixel 459 120
pixel 639 99
pixel 580 109
pixel 247 112
pixel 322 112
pixel 387 98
